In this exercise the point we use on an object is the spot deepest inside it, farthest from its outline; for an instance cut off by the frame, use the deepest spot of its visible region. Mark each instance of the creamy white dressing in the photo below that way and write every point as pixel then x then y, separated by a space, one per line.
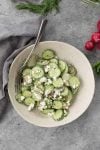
pixel 47 68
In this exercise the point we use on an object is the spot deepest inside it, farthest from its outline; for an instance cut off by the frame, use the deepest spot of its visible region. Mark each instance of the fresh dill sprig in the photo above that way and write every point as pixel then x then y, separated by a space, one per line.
pixel 45 7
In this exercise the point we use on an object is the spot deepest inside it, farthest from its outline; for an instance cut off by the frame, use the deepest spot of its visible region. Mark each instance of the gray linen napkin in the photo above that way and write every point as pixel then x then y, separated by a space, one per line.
pixel 17 29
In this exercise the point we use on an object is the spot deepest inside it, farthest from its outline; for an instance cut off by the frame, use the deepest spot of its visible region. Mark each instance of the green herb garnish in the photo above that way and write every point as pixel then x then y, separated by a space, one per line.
pixel 44 8
pixel 96 67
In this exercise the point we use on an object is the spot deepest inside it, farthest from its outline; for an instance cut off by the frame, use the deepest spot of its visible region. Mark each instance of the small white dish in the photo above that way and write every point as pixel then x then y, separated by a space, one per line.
pixel 83 98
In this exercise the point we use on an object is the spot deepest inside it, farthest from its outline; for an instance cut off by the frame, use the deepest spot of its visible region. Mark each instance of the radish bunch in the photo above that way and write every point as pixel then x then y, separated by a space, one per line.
pixel 95 40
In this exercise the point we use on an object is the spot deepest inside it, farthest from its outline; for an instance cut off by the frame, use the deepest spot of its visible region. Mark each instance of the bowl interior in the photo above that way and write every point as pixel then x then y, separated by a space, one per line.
pixel 85 73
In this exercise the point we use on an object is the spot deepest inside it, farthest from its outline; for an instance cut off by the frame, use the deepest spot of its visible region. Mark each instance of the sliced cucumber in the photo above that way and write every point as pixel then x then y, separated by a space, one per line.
pixel 42 62
pixel 26 72
pixel 57 105
pixel 20 98
pixel 54 73
pixel 72 70
pixel 48 54
pixel 48 102
pixel 29 101
pixel 37 72
pixel 32 61
pixel 24 88
pixel 65 113
pixel 58 83
pixel 36 96
pixel 65 78
pixel 74 82
pixel 48 89
pixel 38 89
pixel 36 82
pixel 48 111
pixel 70 96
pixel 27 93
pixel 74 91
pixel 58 115
pixel 65 92
pixel 53 65
pixel 54 60
pixel 62 65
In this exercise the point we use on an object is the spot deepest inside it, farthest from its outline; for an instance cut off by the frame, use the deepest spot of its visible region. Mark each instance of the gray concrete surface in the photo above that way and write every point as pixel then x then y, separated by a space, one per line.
pixel 74 24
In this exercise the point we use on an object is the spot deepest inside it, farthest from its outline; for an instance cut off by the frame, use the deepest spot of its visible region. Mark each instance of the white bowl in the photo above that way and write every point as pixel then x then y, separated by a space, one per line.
pixel 83 98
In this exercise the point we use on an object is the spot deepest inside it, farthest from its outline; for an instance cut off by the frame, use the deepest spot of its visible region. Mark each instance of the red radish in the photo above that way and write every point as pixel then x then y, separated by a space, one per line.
pixel 98 26
pixel 95 37
pixel 89 45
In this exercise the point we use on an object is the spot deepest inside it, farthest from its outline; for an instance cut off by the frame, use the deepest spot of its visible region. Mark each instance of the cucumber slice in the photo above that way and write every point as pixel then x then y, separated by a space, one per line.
pixel 74 82
pixel 65 92
pixel 36 96
pixel 20 98
pixel 36 82
pixel 74 91
pixel 48 102
pixel 37 72
pixel 72 70
pixel 66 77
pixel 53 66
pixel 54 60
pixel 58 115
pixel 38 89
pixel 42 62
pixel 27 93
pixel 54 73
pixel 48 89
pixel 29 101
pixel 26 72
pixel 57 105
pixel 70 96
pixel 65 113
pixel 62 65
pixel 58 83
pixel 48 54
pixel 32 61
pixel 24 88
pixel 48 111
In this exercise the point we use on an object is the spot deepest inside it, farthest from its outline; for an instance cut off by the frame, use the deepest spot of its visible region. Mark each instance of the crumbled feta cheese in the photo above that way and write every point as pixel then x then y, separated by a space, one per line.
pixel 54 78
pixel 74 86
pixel 22 98
pixel 49 81
pixel 68 103
pixel 24 83
pixel 60 97
pixel 28 79
pixel 43 79
pixel 56 93
pixel 46 93
pixel 31 106
pixel 42 105
pixel 47 68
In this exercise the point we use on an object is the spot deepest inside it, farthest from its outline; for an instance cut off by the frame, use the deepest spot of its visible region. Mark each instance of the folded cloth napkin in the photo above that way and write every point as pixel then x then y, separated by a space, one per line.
pixel 18 29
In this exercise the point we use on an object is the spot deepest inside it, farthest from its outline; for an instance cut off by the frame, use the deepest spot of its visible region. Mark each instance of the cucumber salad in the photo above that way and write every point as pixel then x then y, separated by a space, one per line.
pixel 49 84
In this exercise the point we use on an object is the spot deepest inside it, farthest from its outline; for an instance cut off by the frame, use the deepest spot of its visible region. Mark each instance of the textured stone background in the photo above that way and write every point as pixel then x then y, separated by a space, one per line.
pixel 74 24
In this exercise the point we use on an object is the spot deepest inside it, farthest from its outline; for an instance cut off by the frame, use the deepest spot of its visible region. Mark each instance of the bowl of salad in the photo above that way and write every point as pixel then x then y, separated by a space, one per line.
pixel 57 85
